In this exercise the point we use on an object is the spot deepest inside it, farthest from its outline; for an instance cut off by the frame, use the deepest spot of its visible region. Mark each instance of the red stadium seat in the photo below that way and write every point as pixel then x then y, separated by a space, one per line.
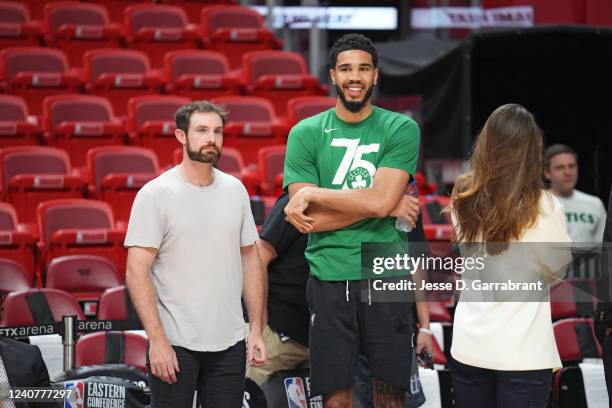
pixel 116 173
pixel 116 8
pixel 438 312
pixel 252 124
pixel 15 126
pixel 76 27
pixel 573 344
pixel 13 278
pixel 120 75
pixel 304 107
pixel 113 305
pixel 33 174
pixel 193 8
pixel 79 226
pixel 231 162
pixel 151 124
pixel 34 73
pixel 199 74
pixel 271 164
pixel 16 28
pixel 177 156
pixel 85 277
pixel 157 29
pixel 576 341
pixel 35 8
pixel 573 298
pixel 17 244
pixel 77 123
pixel 438 356
pixel 278 76
pixel 18 312
pixel 91 349
pixel 235 30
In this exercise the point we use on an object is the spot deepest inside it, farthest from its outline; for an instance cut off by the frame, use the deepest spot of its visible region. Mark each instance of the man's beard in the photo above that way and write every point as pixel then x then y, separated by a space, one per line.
pixel 354 106
pixel 201 156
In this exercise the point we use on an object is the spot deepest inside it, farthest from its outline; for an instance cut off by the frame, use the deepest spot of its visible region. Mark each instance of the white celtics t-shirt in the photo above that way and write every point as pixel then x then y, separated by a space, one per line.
pixel 586 217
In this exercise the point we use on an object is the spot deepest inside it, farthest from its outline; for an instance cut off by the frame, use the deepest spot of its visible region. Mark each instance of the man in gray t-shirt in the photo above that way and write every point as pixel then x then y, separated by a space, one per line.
pixel 191 255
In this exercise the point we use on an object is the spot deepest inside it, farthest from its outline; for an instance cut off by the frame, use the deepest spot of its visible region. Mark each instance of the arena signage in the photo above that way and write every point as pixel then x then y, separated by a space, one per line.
pixel 472 17
pixel 333 18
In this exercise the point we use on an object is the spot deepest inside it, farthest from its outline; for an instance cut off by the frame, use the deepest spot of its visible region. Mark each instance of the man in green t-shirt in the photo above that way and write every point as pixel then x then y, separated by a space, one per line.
pixel 346 171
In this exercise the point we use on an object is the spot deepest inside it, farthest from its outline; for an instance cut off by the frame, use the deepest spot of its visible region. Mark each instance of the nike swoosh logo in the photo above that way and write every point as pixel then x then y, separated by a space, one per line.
pixel 329 130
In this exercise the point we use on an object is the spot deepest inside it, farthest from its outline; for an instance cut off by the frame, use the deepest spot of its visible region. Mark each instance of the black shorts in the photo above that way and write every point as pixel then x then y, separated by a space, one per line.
pixel 343 326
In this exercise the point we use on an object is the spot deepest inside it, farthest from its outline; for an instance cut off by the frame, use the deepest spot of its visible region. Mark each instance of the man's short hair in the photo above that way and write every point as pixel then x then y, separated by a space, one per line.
pixel 553 150
pixel 183 114
pixel 350 42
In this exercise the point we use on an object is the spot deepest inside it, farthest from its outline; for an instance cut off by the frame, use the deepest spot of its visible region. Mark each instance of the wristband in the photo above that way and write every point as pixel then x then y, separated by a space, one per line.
pixel 424 330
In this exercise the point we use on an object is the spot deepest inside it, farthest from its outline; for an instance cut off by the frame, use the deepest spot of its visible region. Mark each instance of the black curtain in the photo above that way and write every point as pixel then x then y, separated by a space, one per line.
pixel 562 74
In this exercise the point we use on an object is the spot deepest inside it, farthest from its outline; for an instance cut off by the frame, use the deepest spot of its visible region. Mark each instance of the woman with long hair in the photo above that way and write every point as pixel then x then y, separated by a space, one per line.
pixel 504 351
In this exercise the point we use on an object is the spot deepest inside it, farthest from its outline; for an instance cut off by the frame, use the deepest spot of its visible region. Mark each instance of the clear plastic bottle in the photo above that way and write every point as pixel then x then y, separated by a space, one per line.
pixel 400 223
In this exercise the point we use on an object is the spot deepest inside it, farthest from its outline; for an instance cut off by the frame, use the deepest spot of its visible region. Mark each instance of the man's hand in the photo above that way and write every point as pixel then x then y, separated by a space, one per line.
pixel 256 349
pixel 408 208
pixel 295 211
pixel 424 341
pixel 162 358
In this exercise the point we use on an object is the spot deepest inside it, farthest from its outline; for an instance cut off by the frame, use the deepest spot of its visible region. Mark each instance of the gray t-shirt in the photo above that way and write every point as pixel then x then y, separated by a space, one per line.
pixel 197 273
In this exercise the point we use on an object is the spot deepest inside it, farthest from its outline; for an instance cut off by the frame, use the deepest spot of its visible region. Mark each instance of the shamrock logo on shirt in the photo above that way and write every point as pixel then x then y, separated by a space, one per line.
pixel 359 178
pixel 359 182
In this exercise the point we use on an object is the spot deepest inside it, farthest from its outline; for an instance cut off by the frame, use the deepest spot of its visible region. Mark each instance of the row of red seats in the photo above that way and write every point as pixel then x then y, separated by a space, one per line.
pixel 116 7
pixel 76 27
pixel 113 306
pixel 55 220
pixel 35 174
pixel 72 280
pixel 87 278
pixel 30 175
pixel 78 123
pixel 64 227
pixel 77 226
pixel 35 73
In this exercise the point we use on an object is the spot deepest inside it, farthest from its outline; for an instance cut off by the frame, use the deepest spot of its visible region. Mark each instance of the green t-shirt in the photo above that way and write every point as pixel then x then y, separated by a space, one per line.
pixel 331 153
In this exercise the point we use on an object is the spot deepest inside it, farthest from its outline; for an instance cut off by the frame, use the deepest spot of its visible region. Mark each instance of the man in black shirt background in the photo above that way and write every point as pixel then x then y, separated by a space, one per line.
pixel 281 248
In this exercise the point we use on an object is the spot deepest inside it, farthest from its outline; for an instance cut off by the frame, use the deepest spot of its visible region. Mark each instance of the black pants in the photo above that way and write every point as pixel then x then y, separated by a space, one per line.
pixel 606 351
pixel 217 376
pixel 475 387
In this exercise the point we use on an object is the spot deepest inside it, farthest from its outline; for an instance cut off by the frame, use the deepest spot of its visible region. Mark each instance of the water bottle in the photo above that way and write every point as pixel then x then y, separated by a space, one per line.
pixel 400 223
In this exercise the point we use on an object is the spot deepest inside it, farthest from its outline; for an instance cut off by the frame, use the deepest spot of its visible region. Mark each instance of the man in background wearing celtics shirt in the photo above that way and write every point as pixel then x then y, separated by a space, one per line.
pixel 346 171
pixel 585 213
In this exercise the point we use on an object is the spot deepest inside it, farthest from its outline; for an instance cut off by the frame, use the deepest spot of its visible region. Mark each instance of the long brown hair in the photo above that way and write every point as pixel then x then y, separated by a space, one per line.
pixel 498 198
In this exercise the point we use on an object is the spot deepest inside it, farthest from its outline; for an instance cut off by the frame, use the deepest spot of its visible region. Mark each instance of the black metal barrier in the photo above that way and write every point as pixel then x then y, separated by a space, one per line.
pixel 82 327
